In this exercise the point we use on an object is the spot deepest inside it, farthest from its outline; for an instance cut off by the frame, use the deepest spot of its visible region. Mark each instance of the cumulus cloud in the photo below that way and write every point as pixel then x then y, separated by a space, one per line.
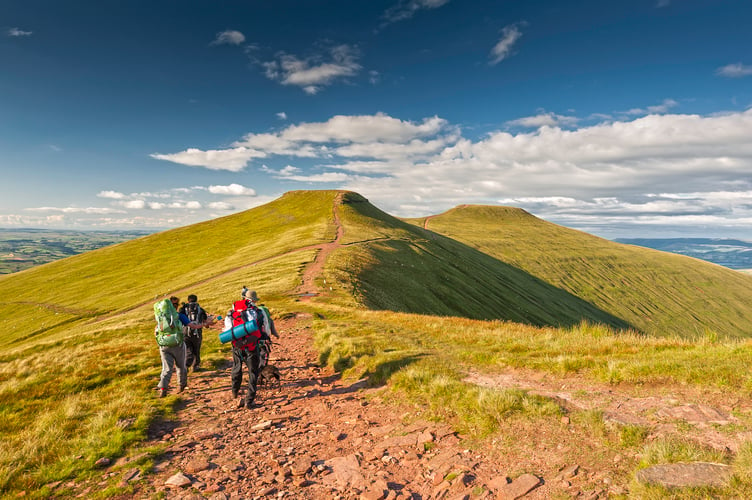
pixel 314 72
pixel 544 119
pixel 234 159
pixel 221 205
pixel 664 107
pixel 644 169
pixel 228 37
pixel 15 32
pixel 115 195
pixel 378 134
pixel 232 190
pixel 406 9
pixel 503 48
pixel 737 70
pixel 77 210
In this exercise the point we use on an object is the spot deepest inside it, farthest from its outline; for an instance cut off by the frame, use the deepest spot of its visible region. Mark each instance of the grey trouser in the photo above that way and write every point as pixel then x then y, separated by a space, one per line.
pixel 173 357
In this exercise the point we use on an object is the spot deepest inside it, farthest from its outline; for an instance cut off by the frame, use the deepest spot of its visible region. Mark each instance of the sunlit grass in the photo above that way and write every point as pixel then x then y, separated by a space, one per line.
pixel 78 359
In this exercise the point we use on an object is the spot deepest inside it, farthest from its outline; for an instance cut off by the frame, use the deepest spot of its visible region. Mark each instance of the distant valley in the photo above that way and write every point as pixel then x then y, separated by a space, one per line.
pixel 734 254
pixel 24 248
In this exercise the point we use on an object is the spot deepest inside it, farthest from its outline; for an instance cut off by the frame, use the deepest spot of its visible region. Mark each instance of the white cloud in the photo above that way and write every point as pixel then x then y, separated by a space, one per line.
pixel 229 37
pixel 664 107
pixel 364 129
pixel 282 115
pixel 234 159
pixel 644 170
pixel 115 195
pixel 737 70
pixel 77 210
pixel 503 48
pixel 662 3
pixel 133 204
pixel 232 190
pixel 544 119
pixel 221 205
pixel 406 9
pixel 18 32
pixel 314 72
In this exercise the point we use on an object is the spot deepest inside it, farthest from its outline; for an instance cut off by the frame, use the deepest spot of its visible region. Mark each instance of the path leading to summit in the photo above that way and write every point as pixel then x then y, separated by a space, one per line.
pixel 309 287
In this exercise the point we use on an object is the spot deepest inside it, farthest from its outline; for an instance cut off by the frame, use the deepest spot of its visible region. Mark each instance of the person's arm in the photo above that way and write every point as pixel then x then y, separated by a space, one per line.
pixel 194 324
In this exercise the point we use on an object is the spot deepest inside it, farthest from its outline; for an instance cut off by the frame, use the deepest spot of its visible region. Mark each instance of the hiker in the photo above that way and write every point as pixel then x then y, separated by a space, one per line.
pixel 193 336
pixel 245 350
pixel 173 357
pixel 267 330
pixel 270 329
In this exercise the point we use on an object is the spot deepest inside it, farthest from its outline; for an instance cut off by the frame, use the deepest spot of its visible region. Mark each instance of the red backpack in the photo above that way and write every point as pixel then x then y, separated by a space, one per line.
pixel 244 312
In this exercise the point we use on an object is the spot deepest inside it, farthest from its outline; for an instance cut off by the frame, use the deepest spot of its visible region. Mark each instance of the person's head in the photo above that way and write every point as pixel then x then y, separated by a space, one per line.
pixel 250 295
pixel 175 302
pixel 192 298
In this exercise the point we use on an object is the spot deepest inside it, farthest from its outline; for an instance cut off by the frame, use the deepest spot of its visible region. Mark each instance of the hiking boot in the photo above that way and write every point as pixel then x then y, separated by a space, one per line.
pixel 162 393
pixel 234 394
pixel 241 403
pixel 182 388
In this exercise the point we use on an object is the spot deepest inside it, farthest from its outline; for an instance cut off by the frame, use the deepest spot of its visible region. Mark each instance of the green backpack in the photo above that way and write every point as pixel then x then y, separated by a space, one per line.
pixel 169 331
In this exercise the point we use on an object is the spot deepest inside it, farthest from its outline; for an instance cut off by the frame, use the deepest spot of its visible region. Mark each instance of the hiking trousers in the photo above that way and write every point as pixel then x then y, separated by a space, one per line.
pixel 193 341
pixel 173 358
pixel 250 359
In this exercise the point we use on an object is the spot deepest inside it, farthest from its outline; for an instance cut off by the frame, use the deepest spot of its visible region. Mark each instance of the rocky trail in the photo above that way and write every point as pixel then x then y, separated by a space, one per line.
pixel 317 436
pixel 314 436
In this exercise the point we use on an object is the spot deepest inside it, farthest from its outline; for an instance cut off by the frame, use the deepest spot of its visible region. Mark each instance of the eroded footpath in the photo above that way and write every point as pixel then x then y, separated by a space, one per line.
pixel 316 436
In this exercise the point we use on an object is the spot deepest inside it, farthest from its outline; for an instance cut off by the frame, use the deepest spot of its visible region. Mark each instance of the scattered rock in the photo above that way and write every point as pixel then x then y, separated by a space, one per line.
pixel 519 487
pixel 102 462
pixel 681 475
pixel 179 480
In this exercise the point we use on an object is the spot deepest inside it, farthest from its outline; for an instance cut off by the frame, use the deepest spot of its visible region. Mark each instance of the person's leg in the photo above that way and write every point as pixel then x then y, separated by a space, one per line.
pixel 168 361
pixel 237 371
pixel 197 341
pixel 190 350
pixel 252 361
pixel 180 364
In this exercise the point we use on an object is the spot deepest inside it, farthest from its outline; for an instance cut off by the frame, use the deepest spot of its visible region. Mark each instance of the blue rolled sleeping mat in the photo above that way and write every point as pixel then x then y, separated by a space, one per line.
pixel 238 332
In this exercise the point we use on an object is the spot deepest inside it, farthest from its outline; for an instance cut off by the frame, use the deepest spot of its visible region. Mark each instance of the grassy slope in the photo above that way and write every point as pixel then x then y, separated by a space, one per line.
pixel 659 293
pixel 77 345
pixel 393 265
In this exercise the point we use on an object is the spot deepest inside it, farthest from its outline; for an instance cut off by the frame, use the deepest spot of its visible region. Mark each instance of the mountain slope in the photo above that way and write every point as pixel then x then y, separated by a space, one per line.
pixel 392 265
pixel 657 292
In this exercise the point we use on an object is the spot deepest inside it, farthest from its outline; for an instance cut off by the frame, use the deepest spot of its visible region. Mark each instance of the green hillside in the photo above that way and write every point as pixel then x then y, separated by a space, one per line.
pixel 78 358
pixel 77 352
pixel 659 293
pixel 392 265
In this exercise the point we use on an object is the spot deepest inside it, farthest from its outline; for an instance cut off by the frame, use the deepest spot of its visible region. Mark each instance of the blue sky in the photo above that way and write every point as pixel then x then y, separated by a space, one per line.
pixel 622 119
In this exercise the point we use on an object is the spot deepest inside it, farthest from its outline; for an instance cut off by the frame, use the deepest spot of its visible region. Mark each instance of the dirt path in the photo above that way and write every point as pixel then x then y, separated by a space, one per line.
pixel 308 287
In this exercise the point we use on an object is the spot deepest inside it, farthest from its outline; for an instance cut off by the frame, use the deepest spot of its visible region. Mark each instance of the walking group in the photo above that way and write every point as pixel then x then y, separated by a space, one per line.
pixel 179 334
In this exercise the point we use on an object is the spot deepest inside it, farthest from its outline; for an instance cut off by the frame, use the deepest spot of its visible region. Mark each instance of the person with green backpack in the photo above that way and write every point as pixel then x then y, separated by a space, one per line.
pixel 171 341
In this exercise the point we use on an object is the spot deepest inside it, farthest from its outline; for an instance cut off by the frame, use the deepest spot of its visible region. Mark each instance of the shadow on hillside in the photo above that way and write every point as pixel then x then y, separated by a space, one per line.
pixel 440 276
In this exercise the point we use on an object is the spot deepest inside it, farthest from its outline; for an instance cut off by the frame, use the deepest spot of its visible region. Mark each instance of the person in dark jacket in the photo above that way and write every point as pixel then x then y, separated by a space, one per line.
pixel 193 336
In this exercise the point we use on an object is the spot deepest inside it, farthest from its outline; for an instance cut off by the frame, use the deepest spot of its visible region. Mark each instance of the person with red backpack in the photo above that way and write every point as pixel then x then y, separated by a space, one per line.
pixel 245 350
